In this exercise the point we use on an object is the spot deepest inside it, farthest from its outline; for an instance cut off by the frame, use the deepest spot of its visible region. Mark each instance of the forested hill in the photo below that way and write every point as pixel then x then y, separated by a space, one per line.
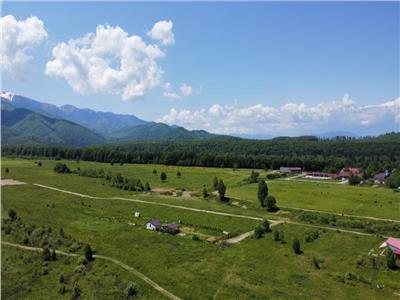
pixel 310 153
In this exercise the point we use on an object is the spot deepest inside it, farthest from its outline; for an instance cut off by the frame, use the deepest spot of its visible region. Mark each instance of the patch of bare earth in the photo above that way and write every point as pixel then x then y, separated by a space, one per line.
pixel 11 182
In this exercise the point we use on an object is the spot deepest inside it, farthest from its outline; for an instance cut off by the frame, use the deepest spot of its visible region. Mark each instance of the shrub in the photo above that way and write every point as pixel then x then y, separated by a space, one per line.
pixel 88 252
pixel 311 236
pixel 259 232
pixel 178 174
pixel 61 168
pixel 61 279
pixel 76 292
pixel 316 263
pixel 130 289
pixel 62 290
pixel 7 170
pixel 80 269
pixel 46 254
pixel 266 226
pixel 82 260
pixel 276 236
pixel 390 259
pixel 12 214
pixel 270 203
pixel 296 246
pixel 163 176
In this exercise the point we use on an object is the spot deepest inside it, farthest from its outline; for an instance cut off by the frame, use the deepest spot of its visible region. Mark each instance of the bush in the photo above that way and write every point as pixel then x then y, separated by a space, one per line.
pixel 61 168
pixel 270 203
pixel 259 232
pixel 82 260
pixel 276 236
pixel 296 246
pixel 76 292
pixel 130 289
pixel 390 259
pixel 163 176
pixel 266 226
pixel 7 170
pixel 311 236
pixel 88 253
pixel 46 254
pixel 12 214
pixel 80 269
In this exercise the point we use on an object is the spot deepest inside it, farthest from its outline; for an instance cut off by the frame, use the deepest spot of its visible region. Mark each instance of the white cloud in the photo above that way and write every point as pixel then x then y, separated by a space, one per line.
pixel 18 38
pixel 108 61
pixel 171 95
pixel 289 118
pixel 162 32
pixel 186 90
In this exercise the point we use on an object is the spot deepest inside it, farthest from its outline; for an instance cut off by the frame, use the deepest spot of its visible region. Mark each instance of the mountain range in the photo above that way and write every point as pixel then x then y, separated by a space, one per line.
pixel 27 121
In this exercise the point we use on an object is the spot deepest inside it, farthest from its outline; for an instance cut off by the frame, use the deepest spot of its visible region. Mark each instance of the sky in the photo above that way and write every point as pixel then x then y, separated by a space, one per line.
pixel 249 69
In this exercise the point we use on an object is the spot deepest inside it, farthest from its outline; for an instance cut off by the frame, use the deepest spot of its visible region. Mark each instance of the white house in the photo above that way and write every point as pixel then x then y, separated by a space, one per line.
pixel 153 225
pixel 137 214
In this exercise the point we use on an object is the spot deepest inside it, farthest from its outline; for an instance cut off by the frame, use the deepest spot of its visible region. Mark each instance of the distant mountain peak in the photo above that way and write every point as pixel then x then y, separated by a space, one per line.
pixel 7 95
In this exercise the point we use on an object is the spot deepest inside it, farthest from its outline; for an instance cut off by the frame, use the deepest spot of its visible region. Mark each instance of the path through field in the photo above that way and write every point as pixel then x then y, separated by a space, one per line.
pixel 110 259
pixel 282 221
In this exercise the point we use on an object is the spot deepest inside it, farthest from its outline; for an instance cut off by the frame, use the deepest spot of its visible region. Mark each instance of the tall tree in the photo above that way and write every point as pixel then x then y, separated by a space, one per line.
pixel 296 246
pixel 262 192
pixel 221 190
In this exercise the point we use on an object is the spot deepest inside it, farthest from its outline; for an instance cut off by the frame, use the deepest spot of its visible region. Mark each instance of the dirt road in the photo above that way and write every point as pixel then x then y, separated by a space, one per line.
pixel 110 259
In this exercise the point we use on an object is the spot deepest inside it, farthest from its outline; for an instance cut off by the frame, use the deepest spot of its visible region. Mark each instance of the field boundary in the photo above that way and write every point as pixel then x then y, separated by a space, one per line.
pixel 110 259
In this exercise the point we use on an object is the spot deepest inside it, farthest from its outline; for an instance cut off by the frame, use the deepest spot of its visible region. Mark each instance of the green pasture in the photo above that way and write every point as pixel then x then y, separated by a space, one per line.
pixel 339 198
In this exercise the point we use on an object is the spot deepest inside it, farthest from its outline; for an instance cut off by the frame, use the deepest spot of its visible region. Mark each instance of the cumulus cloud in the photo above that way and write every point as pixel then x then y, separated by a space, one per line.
pixel 162 32
pixel 289 118
pixel 108 61
pixel 18 39
pixel 184 91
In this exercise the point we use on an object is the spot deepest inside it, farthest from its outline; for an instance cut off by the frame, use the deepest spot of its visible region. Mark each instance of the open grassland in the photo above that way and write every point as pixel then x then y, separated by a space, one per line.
pixel 339 198
pixel 26 276
pixel 254 268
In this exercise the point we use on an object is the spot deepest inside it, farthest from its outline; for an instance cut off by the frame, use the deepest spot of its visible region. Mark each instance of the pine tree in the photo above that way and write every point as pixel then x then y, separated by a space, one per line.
pixel 262 192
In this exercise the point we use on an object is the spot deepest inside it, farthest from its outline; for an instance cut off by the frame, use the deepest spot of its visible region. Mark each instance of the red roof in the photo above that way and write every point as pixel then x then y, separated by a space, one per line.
pixel 393 242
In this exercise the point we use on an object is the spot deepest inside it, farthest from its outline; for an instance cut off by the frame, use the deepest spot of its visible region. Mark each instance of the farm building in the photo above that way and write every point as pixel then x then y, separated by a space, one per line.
pixel 392 243
pixel 290 170
pixel 380 177
pixel 171 228
pixel 153 224
pixel 320 175
pixel 137 214
pixel 347 172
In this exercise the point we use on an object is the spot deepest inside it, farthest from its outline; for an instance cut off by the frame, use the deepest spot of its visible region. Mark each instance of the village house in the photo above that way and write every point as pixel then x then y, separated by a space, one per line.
pixel 171 228
pixel 392 243
pixel 348 172
pixel 290 170
pixel 380 177
pixel 153 224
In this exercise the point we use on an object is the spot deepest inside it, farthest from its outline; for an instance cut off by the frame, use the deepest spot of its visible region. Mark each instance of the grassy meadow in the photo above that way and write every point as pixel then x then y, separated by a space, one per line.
pixel 191 269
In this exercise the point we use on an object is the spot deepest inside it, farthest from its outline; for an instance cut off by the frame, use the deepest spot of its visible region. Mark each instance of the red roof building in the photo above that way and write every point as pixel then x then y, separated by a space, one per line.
pixel 392 243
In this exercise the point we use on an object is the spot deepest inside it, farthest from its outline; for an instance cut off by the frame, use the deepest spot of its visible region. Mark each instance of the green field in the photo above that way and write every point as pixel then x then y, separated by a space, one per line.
pixel 190 269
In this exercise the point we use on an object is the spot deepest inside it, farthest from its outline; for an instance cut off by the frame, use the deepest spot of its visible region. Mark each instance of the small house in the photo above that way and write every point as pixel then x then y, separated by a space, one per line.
pixel 348 172
pixel 171 228
pixel 153 224
pixel 393 244
pixel 137 214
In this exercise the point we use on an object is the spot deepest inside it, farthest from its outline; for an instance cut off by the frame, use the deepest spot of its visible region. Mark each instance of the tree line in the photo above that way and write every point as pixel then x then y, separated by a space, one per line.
pixel 311 154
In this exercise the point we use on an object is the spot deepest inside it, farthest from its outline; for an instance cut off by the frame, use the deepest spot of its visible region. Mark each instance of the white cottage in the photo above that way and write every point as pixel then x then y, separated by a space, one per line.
pixel 153 225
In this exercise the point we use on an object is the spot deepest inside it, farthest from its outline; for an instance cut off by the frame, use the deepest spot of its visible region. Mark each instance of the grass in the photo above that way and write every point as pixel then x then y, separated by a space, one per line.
pixel 24 274
pixel 253 268
pixel 338 198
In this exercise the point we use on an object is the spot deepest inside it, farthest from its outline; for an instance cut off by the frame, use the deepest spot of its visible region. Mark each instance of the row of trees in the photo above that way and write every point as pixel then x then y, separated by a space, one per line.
pixel 372 154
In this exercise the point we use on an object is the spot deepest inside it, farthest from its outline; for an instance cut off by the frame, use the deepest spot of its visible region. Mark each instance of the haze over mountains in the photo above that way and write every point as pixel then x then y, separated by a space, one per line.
pixel 26 121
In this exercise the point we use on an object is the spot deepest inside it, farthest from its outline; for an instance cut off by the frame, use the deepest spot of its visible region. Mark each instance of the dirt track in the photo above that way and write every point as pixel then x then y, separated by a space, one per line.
pixel 113 260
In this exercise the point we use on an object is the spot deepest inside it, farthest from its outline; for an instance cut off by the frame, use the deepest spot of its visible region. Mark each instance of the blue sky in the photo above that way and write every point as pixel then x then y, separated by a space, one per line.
pixel 252 68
